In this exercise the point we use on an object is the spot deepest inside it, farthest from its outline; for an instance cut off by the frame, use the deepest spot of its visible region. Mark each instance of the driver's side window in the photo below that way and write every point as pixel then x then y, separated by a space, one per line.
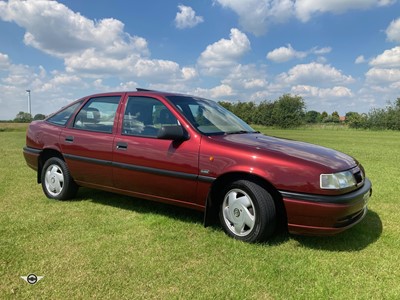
pixel 144 116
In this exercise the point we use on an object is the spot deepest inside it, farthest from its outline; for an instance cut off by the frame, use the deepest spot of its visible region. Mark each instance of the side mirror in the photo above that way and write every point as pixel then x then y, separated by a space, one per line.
pixel 174 132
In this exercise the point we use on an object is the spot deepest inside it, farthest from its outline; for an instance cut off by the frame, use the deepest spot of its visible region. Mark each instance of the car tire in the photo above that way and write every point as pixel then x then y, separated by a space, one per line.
pixel 57 182
pixel 247 212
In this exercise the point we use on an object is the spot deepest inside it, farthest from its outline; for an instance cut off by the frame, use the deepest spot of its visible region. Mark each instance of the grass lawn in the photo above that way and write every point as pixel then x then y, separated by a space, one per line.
pixel 4 126
pixel 109 246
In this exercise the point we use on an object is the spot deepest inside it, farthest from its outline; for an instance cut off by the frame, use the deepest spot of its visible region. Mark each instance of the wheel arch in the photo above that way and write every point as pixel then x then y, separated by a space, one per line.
pixel 213 200
pixel 44 156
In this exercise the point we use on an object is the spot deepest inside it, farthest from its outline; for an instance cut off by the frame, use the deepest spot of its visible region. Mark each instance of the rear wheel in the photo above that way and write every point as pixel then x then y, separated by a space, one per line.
pixel 247 212
pixel 57 182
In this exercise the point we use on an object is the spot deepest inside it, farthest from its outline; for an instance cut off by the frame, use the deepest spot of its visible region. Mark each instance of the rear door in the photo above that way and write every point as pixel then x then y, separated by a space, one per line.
pixel 87 144
pixel 150 167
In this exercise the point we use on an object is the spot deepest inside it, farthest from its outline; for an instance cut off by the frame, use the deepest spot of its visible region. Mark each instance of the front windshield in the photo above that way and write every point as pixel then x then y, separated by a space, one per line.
pixel 208 117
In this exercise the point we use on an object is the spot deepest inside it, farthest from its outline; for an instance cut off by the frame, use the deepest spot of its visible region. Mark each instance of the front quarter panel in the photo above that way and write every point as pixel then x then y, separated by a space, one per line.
pixel 217 159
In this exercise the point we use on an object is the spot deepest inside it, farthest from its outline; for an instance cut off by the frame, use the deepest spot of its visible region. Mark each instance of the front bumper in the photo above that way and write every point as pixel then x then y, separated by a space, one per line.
pixel 325 215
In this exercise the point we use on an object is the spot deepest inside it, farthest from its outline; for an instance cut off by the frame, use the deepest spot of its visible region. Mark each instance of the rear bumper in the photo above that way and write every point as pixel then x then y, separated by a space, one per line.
pixel 31 156
pixel 326 215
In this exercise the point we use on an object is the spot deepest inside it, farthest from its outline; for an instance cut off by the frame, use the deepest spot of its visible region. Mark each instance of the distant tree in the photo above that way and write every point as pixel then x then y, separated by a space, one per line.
pixel 384 118
pixel 351 114
pixel 393 115
pixel 313 116
pixel 335 117
pixel 397 103
pixel 289 111
pixel 355 120
pixel 324 115
pixel 23 117
pixel 263 113
pixel 227 105
pixel 244 110
pixel 39 117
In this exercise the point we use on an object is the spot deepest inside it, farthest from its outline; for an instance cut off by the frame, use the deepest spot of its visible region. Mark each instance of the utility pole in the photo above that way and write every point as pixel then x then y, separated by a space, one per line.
pixel 29 102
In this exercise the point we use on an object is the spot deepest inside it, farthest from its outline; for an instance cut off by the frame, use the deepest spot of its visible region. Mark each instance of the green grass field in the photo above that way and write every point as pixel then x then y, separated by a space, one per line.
pixel 4 126
pixel 109 246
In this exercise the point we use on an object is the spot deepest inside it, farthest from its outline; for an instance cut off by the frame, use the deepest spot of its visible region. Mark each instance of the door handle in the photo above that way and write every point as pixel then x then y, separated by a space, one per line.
pixel 122 146
pixel 69 139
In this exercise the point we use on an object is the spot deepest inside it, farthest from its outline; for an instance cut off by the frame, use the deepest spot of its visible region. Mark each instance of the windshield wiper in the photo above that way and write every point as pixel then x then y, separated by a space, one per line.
pixel 241 132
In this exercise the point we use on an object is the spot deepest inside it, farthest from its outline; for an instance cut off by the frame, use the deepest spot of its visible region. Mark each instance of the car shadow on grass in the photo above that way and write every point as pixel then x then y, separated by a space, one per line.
pixel 357 238
pixel 140 205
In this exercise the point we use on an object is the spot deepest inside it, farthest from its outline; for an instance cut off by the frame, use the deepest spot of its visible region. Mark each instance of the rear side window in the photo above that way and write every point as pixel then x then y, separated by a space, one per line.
pixel 61 118
pixel 98 114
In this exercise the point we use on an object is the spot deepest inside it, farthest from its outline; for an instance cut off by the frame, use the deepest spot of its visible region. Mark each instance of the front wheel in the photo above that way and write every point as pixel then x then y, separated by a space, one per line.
pixel 247 212
pixel 57 182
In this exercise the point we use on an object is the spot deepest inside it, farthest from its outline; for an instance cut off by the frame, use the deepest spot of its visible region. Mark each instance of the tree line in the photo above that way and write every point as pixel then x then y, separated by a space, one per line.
pixel 24 117
pixel 289 111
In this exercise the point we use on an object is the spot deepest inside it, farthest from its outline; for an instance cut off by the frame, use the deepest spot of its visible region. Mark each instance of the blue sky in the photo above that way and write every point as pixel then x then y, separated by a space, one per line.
pixel 339 55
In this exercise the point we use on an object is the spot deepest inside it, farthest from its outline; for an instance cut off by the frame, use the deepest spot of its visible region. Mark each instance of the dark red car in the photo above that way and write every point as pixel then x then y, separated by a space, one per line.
pixel 191 152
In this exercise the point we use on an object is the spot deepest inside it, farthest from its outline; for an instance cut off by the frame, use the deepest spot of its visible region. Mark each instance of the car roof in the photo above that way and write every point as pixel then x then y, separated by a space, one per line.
pixel 140 91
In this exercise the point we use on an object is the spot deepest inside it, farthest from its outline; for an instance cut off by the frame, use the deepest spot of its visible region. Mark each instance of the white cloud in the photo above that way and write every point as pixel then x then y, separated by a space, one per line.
pixel 4 61
pixel 100 86
pixel 393 31
pixel 307 91
pixel 246 77
pixel 164 71
pixel 155 68
pixel 244 82
pixel 386 2
pixel 92 62
pixel 187 18
pixel 305 9
pixel 284 54
pixel 380 76
pixel 360 59
pixel 314 74
pixel 222 90
pixel 59 82
pixel 381 85
pixel 95 50
pixel 189 73
pixel 389 58
pixel 19 75
pixel 256 15
pixel 224 54
pixel 91 48
pixel 321 51
pixel 321 60
pixel 17 79
pixel 75 33
pixel 127 86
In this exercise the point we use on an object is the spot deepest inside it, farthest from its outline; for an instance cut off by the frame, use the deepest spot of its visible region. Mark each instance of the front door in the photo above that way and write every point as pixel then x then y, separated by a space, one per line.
pixel 149 167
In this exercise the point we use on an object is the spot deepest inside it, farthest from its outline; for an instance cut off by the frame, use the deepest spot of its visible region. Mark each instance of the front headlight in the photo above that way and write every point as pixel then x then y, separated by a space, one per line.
pixel 337 181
